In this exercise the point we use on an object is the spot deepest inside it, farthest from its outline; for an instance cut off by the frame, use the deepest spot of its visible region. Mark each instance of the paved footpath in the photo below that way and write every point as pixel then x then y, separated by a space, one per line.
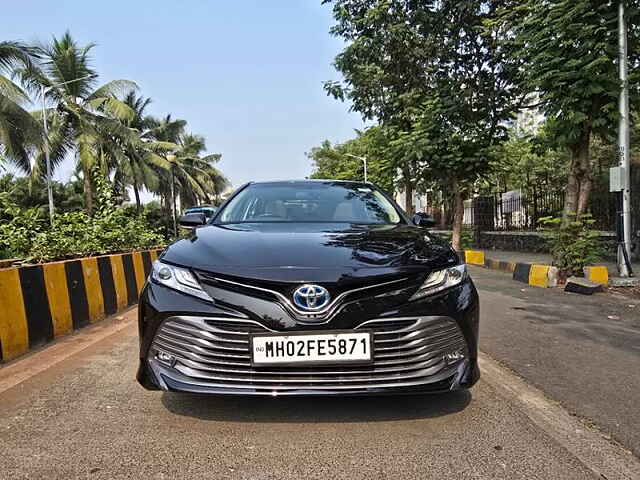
pixel 583 351
pixel 73 410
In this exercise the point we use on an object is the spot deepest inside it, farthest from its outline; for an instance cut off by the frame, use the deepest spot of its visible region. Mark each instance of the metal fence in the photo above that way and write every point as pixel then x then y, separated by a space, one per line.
pixel 510 212
pixel 517 211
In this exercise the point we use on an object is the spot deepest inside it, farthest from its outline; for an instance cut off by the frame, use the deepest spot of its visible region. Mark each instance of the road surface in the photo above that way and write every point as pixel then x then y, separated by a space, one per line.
pixel 73 410
pixel 583 351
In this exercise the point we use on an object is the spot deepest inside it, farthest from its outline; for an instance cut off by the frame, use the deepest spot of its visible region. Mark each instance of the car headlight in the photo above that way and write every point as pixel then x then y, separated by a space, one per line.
pixel 441 280
pixel 178 278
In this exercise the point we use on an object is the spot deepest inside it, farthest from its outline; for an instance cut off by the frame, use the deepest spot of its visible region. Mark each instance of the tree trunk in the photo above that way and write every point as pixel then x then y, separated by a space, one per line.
pixel 586 180
pixel 408 193
pixel 579 182
pixel 136 192
pixel 458 216
pixel 88 191
pixel 573 189
pixel 443 213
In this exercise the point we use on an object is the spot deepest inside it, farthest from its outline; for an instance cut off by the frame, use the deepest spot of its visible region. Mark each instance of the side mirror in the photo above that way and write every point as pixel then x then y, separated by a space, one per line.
pixel 424 220
pixel 192 220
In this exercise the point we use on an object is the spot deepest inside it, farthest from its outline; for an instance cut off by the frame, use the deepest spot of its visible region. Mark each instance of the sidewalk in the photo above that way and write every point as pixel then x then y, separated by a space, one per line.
pixel 545 259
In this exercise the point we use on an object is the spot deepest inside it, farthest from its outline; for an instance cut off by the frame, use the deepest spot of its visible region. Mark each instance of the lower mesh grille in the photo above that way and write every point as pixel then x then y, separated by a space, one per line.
pixel 215 353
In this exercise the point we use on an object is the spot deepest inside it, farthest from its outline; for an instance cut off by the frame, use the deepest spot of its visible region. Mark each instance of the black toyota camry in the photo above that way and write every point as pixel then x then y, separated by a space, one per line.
pixel 308 288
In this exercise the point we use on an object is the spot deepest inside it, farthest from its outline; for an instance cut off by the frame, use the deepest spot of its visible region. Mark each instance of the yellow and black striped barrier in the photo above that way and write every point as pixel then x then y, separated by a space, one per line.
pixel 41 302
pixel 535 275
pixel 544 276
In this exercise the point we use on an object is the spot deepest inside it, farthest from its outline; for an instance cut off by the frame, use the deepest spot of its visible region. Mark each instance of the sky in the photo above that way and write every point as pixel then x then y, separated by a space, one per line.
pixel 245 74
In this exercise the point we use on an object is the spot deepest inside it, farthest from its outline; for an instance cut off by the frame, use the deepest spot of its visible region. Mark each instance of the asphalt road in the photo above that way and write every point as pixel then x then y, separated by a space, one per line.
pixel 583 351
pixel 74 410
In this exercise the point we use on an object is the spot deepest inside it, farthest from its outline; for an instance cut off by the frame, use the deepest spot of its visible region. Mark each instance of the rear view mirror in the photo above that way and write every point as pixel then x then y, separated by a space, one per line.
pixel 192 220
pixel 424 220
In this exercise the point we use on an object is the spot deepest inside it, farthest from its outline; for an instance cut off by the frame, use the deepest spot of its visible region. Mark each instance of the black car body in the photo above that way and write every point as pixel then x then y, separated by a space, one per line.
pixel 216 299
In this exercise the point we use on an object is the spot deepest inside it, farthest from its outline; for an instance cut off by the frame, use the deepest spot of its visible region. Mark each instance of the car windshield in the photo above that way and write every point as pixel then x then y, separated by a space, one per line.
pixel 310 202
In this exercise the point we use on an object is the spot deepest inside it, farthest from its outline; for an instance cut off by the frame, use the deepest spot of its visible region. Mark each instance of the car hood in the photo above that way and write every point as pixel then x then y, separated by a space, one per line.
pixel 309 251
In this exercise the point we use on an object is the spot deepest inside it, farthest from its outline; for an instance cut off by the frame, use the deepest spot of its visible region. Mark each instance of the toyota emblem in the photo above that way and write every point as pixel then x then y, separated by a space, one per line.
pixel 311 297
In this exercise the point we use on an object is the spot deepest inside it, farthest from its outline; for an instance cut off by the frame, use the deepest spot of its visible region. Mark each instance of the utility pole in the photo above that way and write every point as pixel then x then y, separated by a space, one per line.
pixel 363 160
pixel 624 244
pixel 172 158
pixel 45 126
pixel 46 152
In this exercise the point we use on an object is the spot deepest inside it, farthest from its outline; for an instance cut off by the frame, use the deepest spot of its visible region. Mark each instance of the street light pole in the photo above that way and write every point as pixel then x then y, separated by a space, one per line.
pixel 172 158
pixel 46 153
pixel 43 92
pixel 624 247
pixel 363 159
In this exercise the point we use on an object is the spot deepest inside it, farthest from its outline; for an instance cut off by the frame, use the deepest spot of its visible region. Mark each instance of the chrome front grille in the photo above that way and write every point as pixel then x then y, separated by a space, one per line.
pixel 214 353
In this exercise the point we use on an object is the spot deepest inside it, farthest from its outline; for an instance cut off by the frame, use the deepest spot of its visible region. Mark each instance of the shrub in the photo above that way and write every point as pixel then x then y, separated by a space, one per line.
pixel 466 239
pixel 155 216
pixel 18 227
pixel 74 234
pixel 573 244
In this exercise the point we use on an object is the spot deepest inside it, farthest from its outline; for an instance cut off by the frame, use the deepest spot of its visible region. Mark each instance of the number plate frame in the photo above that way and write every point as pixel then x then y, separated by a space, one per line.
pixel 327 333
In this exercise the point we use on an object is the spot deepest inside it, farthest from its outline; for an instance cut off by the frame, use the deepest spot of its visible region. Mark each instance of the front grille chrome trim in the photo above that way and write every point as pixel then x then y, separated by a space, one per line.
pixel 251 389
pixel 407 351
pixel 309 315
pixel 195 373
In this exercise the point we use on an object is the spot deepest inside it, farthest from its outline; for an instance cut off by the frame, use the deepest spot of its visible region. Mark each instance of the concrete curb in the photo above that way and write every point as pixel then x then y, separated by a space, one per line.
pixel 536 275
pixel 39 303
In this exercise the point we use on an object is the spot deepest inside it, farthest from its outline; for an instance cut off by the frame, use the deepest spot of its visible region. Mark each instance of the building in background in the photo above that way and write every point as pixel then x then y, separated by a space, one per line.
pixel 529 120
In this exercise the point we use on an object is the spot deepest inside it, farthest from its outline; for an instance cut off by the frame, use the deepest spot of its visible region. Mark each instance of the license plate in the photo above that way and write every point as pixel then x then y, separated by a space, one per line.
pixel 312 348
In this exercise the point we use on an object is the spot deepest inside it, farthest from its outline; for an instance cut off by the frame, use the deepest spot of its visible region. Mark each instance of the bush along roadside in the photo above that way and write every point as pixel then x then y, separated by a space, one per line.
pixel 573 243
pixel 25 234
pixel 466 238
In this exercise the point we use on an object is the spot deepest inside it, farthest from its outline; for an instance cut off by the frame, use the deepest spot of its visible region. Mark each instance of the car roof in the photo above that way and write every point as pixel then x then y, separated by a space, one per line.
pixel 310 180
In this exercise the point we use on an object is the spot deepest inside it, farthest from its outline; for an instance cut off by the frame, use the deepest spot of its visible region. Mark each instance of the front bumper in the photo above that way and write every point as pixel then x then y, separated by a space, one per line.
pixel 464 377
pixel 208 352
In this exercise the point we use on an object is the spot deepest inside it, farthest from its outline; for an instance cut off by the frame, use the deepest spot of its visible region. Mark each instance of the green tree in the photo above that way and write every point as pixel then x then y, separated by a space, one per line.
pixel 138 162
pixel 83 118
pixel 568 51
pixel 434 73
pixel 201 170
pixel 527 162
pixel 333 161
pixel 382 75
pixel 192 176
pixel 19 131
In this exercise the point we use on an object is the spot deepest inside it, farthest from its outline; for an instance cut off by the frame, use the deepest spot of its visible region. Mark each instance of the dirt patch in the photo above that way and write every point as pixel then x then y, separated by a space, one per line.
pixel 631 292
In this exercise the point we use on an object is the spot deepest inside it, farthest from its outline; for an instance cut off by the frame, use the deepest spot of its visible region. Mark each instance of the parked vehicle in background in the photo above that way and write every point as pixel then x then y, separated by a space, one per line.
pixel 309 288
pixel 208 210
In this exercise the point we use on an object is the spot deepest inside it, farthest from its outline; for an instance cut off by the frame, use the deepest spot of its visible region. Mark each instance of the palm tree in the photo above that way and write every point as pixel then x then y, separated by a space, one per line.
pixel 187 173
pixel 19 131
pixel 89 120
pixel 166 130
pixel 142 161
pixel 210 180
